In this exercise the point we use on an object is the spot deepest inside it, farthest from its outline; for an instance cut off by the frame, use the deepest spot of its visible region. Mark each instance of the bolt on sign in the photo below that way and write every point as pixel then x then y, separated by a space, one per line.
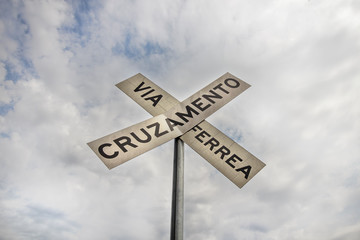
pixel 186 120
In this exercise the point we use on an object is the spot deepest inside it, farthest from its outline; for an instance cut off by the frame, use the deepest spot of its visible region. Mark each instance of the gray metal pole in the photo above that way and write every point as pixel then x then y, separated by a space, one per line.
pixel 177 207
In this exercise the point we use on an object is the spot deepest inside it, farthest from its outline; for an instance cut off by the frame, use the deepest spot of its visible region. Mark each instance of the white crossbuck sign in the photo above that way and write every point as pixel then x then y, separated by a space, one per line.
pixel 180 119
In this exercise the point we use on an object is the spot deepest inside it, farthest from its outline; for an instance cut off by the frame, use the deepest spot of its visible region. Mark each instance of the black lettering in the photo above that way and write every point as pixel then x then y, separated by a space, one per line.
pixel 188 113
pixel 138 88
pixel 198 105
pixel 223 150
pixel 215 95
pixel 233 158
pixel 155 99
pixel 172 123
pixel 213 143
pixel 102 153
pixel 147 93
pixel 126 142
pixel 237 84
pixel 157 129
pixel 219 87
pixel 202 135
pixel 246 170
pixel 198 127
pixel 148 137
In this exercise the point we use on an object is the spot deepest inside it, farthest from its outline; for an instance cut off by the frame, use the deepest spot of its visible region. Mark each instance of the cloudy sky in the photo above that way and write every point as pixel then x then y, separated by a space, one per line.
pixel 60 61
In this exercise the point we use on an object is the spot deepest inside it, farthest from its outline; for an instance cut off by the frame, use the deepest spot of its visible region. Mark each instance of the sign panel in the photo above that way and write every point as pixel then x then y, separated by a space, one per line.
pixel 233 161
pixel 121 146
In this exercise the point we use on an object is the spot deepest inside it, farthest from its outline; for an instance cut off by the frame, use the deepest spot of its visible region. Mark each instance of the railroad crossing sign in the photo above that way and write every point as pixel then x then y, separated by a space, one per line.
pixel 184 119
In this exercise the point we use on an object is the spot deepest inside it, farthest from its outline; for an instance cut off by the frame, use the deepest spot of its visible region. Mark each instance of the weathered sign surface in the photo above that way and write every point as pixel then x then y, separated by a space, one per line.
pixel 186 119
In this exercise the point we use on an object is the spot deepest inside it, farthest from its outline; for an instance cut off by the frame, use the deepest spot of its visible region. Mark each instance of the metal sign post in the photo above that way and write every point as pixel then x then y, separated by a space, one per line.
pixel 177 206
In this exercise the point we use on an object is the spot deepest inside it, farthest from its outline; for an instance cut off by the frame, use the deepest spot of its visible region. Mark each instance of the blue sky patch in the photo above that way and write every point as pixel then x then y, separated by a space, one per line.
pixel 233 134
pixel 4 135
pixel 11 73
pixel 18 64
pixel 22 21
pixel 83 19
pixel 130 50
pixel 4 109
pixel 153 48
pixel 15 73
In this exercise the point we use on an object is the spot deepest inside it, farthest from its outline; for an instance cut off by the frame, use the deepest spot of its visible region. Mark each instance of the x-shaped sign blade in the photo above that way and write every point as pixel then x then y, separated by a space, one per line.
pixel 173 119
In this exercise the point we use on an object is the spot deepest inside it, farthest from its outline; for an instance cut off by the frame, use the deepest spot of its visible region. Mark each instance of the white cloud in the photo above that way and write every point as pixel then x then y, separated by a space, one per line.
pixel 59 62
